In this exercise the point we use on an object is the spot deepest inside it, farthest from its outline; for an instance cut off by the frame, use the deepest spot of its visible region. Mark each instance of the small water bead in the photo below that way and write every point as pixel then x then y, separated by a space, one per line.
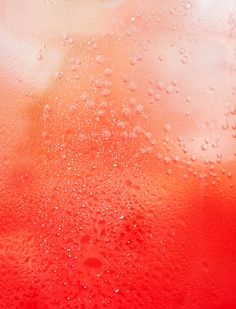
pixel 132 86
pixel 100 113
pixel 125 78
pixel 187 5
pixel 175 158
pixel 210 90
pixel 167 160
pixel 150 92
pixel 108 72
pixel 148 135
pixel 46 108
pixel 93 263
pixel 106 134
pixel 132 101
pixel 174 82
pixel 73 109
pixel 39 55
pixel 168 89
pixel 172 11
pixel 204 147
pixel 65 36
pixel 90 103
pixel 59 75
pixel 161 58
pixel 132 135
pixel 104 104
pixel 167 128
pixel 157 97
pixel 100 59
pixel 127 111
pixel 82 137
pixel 98 83
pixel 138 129
pixel 107 83
pixel 139 108
pixel 106 92
pixel 146 150
pixel 125 135
pixel 185 59
pixel 70 40
pixel 160 85
pixel 133 61
pixel 121 124
pixel 166 140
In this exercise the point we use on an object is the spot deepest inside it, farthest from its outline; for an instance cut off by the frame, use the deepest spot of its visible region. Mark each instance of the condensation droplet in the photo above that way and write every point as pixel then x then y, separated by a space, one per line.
pixel 185 59
pixel 106 134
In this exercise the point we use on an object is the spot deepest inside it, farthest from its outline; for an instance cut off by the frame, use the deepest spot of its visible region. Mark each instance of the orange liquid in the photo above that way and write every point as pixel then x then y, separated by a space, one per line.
pixel 118 155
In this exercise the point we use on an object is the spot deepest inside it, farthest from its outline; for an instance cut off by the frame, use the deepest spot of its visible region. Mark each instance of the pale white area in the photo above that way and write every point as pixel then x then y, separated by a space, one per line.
pixel 216 6
pixel 205 83
pixel 83 18
pixel 113 3
pixel 28 61
pixel 216 14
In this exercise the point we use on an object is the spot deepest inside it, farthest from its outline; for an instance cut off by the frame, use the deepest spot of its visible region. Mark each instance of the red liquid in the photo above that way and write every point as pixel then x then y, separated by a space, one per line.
pixel 118 156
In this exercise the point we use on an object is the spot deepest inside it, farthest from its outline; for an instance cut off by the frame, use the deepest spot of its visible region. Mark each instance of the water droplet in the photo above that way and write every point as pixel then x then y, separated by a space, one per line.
pixel 185 59
pixel 126 111
pixel 133 61
pixel 100 59
pixel 167 128
pixel 108 71
pixel 150 92
pixel 59 75
pixel 157 97
pixel 210 90
pixel 106 134
pixel 140 108
pixel 93 262
pixel 121 124
pixel 174 82
pixel 188 99
pixel 39 55
pixel 182 51
pixel 160 85
pixel 204 147
pixel 225 126
pixel 82 137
